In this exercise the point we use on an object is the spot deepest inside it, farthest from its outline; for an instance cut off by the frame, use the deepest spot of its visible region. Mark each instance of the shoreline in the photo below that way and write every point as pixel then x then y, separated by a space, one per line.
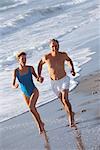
pixel 90 67
pixel 30 26
pixel 80 79
pixel 85 102
pixel 21 132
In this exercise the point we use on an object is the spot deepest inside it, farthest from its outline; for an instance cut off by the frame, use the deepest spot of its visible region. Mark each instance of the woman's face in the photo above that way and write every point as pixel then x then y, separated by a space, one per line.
pixel 22 60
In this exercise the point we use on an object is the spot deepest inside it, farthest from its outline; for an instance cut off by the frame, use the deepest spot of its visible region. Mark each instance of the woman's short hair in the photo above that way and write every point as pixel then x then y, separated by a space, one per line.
pixel 20 53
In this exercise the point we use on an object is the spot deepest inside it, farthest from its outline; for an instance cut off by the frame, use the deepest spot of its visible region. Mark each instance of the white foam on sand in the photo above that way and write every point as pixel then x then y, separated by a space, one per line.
pixel 73 27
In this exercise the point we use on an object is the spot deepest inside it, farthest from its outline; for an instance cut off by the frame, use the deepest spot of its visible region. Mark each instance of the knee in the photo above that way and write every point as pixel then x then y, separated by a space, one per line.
pixel 32 108
pixel 60 96
pixel 65 95
pixel 37 91
pixel 66 102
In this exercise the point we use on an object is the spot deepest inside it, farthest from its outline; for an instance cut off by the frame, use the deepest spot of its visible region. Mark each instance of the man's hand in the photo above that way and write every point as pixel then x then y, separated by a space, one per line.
pixel 73 73
pixel 40 79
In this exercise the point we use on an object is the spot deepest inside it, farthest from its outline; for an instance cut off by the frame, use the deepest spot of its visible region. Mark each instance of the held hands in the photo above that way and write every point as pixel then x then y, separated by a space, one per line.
pixel 73 73
pixel 40 79
pixel 16 85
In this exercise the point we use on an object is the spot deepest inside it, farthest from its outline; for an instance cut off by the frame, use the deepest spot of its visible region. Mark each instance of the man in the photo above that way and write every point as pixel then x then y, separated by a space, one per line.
pixel 55 61
pixel 30 92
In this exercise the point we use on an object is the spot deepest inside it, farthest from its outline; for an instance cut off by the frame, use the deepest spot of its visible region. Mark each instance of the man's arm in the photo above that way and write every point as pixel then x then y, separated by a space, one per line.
pixel 40 65
pixel 14 84
pixel 70 64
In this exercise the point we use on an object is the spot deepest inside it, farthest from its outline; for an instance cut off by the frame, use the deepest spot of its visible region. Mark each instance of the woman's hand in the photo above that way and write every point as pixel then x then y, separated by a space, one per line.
pixel 16 85
pixel 40 79
pixel 73 73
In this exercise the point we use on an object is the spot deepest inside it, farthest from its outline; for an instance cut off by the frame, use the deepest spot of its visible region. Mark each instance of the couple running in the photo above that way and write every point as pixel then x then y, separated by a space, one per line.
pixel 55 61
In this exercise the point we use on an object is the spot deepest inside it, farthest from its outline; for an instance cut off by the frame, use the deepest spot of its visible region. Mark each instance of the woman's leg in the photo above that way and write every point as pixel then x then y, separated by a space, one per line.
pixel 31 103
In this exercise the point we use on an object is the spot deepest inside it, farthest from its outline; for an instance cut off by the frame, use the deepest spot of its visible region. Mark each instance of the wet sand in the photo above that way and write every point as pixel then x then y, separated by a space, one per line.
pixel 21 133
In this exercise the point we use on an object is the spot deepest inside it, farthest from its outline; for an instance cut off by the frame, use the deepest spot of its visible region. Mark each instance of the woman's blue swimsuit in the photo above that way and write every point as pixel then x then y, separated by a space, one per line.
pixel 26 82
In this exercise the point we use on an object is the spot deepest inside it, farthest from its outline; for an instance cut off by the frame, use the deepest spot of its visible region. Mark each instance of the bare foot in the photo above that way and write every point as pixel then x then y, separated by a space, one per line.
pixel 71 120
pixel 42 130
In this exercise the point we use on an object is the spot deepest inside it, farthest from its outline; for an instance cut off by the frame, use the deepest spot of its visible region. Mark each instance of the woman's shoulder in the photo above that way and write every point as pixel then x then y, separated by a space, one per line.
pixel 28 66
pixel 16 69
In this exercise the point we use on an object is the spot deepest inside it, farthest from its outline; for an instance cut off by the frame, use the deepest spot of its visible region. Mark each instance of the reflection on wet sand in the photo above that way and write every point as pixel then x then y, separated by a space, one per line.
pixel 46 144
pixel 77 135
pixel 78 138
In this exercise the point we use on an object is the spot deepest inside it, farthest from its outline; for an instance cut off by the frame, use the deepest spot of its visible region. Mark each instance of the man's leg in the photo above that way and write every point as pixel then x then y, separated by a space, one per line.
pixel 67 106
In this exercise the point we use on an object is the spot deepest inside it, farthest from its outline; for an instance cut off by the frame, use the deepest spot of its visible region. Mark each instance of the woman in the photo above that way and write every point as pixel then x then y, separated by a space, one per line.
pixel 30 92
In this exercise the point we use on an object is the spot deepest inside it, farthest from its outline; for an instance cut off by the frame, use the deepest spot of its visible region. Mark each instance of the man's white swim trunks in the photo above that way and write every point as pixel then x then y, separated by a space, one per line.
pixel 60 85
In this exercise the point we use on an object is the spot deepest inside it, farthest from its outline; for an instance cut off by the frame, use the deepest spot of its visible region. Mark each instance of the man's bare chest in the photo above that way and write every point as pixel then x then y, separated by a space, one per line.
pixel 55 62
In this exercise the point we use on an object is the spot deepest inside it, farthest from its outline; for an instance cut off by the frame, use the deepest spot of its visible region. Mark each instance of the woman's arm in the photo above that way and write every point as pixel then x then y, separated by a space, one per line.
pixel 14 84
pixel 40 79
pixel 33 72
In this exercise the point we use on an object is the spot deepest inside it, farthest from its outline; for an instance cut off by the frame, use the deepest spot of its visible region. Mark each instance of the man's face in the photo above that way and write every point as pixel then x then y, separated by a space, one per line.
pixel 54 46
pixel 22 60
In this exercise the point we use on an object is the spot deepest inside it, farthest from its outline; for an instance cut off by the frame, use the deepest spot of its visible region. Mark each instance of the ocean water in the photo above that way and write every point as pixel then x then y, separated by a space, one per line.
pixel 29 25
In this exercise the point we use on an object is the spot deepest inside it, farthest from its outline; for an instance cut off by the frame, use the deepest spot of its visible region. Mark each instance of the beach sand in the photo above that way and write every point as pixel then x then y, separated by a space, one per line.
pixel 77 28
pixel 20 133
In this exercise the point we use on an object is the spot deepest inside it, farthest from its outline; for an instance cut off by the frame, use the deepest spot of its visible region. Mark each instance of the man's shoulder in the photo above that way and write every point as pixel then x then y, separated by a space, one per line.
pixel 46 56
pixel 63 53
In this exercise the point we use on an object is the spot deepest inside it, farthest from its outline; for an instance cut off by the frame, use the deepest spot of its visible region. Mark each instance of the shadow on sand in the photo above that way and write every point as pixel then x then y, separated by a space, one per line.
pixel 78 138
pixel 46 141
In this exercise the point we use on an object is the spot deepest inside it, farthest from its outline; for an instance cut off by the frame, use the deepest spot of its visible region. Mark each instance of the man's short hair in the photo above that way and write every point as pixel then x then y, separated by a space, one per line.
pixel 20 53
pixel 55 41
